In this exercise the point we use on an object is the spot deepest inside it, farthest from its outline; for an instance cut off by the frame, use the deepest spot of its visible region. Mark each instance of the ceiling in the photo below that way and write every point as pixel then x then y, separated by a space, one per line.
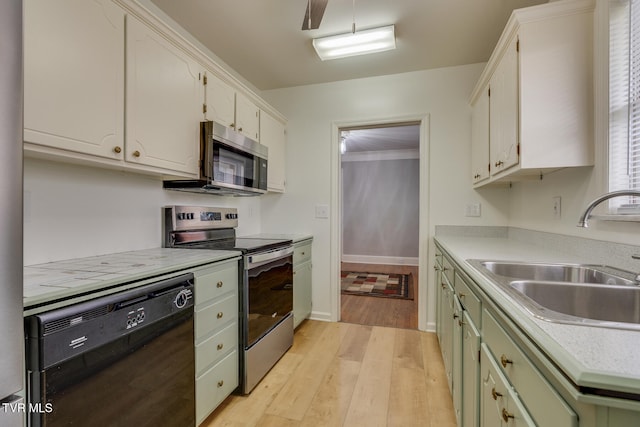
pixel 401 137
pixel 263 41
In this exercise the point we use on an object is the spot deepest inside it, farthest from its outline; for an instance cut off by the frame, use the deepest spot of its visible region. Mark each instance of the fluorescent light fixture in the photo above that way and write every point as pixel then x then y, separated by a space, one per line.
pixel 358 43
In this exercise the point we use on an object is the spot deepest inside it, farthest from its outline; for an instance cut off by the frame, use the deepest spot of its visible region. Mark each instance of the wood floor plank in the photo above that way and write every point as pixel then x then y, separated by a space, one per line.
pixel 370 401
pixel 295 397
pixel 348 375
pixel 329 406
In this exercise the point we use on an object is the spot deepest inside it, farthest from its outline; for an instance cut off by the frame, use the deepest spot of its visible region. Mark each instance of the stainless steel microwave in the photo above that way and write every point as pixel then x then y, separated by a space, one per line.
pixel 230 164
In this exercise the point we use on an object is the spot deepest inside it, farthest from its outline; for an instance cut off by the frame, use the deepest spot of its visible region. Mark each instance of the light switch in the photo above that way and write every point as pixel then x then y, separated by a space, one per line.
pixel 472 209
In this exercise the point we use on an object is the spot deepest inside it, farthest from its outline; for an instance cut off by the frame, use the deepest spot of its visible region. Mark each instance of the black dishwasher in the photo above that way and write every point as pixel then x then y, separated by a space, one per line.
pixel 125 359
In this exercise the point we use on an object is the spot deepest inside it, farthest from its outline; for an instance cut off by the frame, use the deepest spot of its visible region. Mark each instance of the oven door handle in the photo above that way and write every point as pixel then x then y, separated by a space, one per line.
pixel 262 258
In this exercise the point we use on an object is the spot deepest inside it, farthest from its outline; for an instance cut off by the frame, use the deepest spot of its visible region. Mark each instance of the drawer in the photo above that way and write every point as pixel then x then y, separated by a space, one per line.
pixel 499 402
pixel 545 405
pixel 212 349
pixel 214 282
pixel 301 253
pixel 447 269
pixel 215 385
pixel 215 316
pixel 469 300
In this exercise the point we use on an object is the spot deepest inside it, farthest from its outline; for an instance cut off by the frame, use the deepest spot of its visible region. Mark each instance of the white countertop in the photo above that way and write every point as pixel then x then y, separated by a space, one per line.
pixel 597 357
pixel 64 279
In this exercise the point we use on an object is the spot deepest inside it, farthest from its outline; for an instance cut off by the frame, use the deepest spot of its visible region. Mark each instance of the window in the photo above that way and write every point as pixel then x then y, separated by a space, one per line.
pixel 624 103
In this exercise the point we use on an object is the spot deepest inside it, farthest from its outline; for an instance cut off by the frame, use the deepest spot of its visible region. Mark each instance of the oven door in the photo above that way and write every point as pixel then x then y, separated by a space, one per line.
pixel 268 292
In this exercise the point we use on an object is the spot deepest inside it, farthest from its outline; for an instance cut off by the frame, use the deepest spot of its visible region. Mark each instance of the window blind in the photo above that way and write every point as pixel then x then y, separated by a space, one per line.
pixel 624 102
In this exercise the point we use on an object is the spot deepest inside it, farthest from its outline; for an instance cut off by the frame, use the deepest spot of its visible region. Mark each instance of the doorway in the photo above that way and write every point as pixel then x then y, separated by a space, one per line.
pixel 380 219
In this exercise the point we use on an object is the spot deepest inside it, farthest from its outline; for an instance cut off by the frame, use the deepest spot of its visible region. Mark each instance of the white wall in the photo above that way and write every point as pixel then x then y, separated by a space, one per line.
pixel 311 111
pixel 76 211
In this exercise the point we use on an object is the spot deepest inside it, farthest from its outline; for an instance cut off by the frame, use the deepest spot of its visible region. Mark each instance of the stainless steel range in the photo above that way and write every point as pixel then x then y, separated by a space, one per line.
pixel 266 282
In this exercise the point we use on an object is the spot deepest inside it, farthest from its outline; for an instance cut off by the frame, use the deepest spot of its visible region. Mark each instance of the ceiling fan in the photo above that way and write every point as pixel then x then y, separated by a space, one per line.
pixel 313 14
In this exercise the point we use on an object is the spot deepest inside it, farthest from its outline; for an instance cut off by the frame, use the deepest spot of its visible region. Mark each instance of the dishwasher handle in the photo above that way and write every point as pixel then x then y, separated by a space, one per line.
pixel 266 257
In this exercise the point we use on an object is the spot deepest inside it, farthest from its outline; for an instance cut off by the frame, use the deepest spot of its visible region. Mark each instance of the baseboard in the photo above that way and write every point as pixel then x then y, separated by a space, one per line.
pixel 367 259
pixel 323 316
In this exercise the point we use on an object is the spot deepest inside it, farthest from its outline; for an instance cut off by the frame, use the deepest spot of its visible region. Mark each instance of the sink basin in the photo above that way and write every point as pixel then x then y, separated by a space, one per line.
pixel 609 303
pixel 581 294
pixel 574 273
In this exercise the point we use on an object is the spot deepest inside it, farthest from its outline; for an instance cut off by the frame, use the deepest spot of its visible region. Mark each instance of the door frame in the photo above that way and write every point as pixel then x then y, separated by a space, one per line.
pixel 335 216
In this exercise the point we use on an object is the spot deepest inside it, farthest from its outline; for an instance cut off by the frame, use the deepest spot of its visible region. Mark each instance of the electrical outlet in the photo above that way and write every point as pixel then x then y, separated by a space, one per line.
pixel 557 207
pixel 322 211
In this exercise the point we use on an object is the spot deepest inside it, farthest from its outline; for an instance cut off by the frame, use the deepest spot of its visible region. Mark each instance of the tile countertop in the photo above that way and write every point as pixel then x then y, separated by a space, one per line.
pixel 44 283
pixel 603 358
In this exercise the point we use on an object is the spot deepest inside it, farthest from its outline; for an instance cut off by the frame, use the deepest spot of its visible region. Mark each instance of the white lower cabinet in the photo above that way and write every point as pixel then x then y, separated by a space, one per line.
pixel 499 402
pixel 498 376
pixel 301 281
pixel 216 335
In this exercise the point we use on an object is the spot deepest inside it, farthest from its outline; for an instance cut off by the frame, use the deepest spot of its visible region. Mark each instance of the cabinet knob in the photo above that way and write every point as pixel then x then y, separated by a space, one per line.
pixel 505 361
pixel 136 153
pixel 220 346
pixel 232 125
pixel 495 394
pixel 455 316
pixel 220 383
pixel 219 316
pixel 506 415
pixel 117 149
pixel 461 295
pixel 219 284
pixel 499 163
pixel 239 129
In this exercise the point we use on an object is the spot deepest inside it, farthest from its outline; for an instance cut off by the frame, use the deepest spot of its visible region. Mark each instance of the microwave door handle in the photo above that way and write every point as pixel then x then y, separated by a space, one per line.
pixel 254 260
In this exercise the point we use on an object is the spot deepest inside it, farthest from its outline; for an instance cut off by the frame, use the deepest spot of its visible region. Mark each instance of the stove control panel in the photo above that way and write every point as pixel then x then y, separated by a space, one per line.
pixel 181 218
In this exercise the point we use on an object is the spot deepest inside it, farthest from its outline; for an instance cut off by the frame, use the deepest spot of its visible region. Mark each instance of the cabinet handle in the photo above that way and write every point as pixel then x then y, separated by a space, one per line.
pixel 219 316
pixel 220 383
pixel 504 361
pixel 461 295
pixel 136 153
pixel 220 346
pixel 232 125
pixel 495 394
pixel 461 323
pixel 219 284
pixel 117 149
pixel 499 163
pixel 455 316
pixel 506 415
pixel 442 285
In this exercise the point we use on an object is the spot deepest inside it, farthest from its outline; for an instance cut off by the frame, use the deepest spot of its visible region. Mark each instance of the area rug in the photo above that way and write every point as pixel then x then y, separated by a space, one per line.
pixel 375 284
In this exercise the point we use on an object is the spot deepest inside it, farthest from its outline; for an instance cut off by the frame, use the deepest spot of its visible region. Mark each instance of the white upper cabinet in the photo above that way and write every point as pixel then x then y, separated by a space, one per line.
pixel 231 108
pixel 480 138
pixel 504 107
pixel 220 101
pixel 540 77
pixel 164 99
pixel 74 76
pixel 272 134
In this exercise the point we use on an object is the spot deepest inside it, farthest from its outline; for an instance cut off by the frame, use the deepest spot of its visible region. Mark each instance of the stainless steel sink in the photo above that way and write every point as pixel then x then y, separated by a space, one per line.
pixel 580 294
pixel 574 273
pixel 609 303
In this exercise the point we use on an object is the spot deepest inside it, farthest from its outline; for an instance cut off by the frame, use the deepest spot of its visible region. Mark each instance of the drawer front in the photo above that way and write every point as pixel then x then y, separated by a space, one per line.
pixel 447 270
pixel 469 300
pixel 216 315
pixel 301 253
pixel 213 283
pixel 215 385
pixel 212 349
pixel 544 404
pixel 500 404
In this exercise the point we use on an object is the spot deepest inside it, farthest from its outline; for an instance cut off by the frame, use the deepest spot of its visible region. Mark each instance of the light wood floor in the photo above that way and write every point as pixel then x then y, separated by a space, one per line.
pixel 376 311
pixel 341 374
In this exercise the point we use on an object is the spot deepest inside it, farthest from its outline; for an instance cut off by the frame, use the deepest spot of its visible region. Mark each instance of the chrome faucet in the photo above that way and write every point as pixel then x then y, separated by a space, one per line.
pixel 584 218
